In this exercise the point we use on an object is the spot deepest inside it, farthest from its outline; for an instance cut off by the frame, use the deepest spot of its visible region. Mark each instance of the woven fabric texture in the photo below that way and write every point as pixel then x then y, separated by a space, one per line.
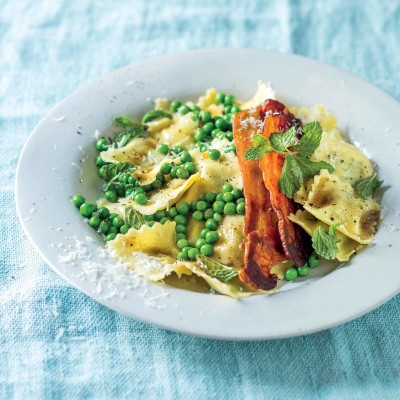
pixel 55 342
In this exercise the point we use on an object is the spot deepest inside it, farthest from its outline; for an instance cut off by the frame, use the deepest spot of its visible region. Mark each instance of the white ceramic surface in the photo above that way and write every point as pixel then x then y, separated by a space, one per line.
pixel 52 168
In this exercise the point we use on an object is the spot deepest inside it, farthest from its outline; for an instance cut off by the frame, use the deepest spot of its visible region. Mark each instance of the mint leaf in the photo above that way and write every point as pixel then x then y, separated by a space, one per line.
pixel 310 168
pixel 291 177
pixel 124 137
pixel 262 146
pixel 310 140
pixel 112 171
pixel 155 114
pixel 281 141
pixel 325 243
pixel 366 187
pixel 133 218
pixel 215 269
pixel 259 140
pixel 125 121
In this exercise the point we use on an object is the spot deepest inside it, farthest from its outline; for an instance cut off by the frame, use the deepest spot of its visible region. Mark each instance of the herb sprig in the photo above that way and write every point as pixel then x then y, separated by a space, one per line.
pixel 297 165
pixel 132 130
pixel 215 269
pixel 366 187
pixel 133 218
pixel 111 172
pixel 325 243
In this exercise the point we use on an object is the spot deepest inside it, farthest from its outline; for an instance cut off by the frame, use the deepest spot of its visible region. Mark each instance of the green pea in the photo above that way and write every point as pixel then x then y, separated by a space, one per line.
pixel 197 215
pixel 196 109
pixel 204 232
pixel 87 209
pixel 218 206
pixel 148 217
pixel 183 208
pixel 162 221
pixel 235 109
pixel 182 256
pixel 182 173
pixel 102 144
pixel 183 109
pixel 237 193
pixel 112 216
pixel 195 116
pixel 156 184
pixel 177 149
pixel 103 227
pixel 241 200
pixel 113 229
pixel 165 168
pixel 303 270
pixel 124 229
pixel 104 212
pixel 151 223
pixel 227 187
pixel 241 208
pixel 163 148
pixel 205 116
pixel 208 127
pixel 160 177
pixel 221 135
pixel 192 253
pixel 180 236
pixel 186 157
pixel 217 217
pixel 141 199
pixel 118 222
pixel 146 188
pixel 100 162
pixel 214 154
pixel 139 190
pixel 180 229
pixel 174 171
pixel 181 243
pixel 211 224
pixel 110 236
pixel 207 250
pixel 229 100
pixel 209 213
pixel 212 237
pixel 221 124
pixel 291 274
pixel 193 205
pixel 210 197
pixel 187 248
pixel 203 197
pixel 111 195
pixel 219 197
pixel 227 197
pixel 313 261
pixel 172 212
pixel 200 135
pixel 227 109
pixel 94 221
pixel 229 135
pixel 175 105
pixel 200 242
pixel 160 214
pixel 129 191
pixel 215 133
pixel 220 98
pixel 190 167
pixel 132 180
pixel 201 205
pixel 102 171
pixel 230 208
pixel 203 148
pixel 78 200
pixel 180 219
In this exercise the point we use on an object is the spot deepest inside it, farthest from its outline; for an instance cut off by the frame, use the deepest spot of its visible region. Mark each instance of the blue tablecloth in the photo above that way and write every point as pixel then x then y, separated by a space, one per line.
pixel 55 342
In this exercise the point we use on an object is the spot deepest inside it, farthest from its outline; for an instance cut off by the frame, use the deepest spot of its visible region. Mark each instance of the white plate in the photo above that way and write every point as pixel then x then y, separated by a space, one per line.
pixel 49 173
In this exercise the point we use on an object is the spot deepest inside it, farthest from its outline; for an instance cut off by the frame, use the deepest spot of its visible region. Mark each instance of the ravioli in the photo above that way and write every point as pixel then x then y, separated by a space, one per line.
pixel 179 132
pixel 347 247
pixel 331 201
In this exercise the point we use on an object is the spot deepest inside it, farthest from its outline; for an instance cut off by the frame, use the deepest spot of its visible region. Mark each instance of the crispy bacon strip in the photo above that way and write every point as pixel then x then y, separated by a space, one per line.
pixel 263 247
pixel 296 243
